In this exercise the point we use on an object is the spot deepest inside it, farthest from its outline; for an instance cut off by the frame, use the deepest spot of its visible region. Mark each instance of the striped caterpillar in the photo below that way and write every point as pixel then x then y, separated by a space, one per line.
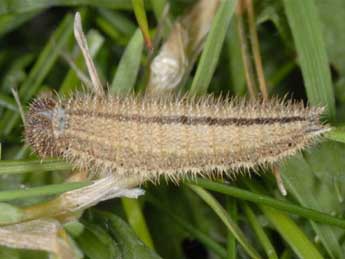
pixel 121 137
pixel 151 137
pixel 148 137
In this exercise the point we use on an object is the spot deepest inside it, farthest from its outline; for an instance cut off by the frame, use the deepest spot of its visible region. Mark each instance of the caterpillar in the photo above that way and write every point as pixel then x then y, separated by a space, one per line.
pixel 172 137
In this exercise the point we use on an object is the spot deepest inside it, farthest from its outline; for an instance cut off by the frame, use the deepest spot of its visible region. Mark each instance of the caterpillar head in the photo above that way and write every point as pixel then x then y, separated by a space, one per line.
pixel 40 126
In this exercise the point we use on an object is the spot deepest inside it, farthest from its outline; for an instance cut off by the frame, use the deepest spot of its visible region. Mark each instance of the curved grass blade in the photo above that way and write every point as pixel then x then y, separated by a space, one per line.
pixel 301 186
pixel 137 220
pixel 231 207
pixel 214 42
pixel 202 237
pixel 274 203
pixel 129 244
pixel 292 234
pixel 96 243
pixel 260 233
pixel 223 215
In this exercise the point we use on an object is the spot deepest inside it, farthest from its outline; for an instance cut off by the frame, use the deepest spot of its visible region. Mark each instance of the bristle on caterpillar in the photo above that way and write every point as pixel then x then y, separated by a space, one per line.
pixel 169 137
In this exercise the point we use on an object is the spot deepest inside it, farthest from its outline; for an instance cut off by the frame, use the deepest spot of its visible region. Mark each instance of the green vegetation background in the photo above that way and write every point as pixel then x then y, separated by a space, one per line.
pixel 303 56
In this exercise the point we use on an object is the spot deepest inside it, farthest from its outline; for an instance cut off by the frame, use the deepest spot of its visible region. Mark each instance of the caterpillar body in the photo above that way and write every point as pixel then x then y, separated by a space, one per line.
pixel 171 137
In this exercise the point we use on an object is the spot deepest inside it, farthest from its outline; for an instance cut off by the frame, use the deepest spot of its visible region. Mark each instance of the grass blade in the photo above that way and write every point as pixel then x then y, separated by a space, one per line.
pixel 297 185
pixel 214 42
pixel 260 233
pixel 118 21
pixel 158 7
pixel 202 237
pixel 292 234
pixel 231 207
pixel 8 103
pixel 26 166
pixel 23 6
pixel 140 14
pixel 40 191
pixel 96 243
pixel 9 23
pixel 237 80
pixel 129 243
pixel 337 134
pixel 128 68
pixel 307 33
pixel 136 220
pixel 44 63
pixel 274 203
pixel 223 215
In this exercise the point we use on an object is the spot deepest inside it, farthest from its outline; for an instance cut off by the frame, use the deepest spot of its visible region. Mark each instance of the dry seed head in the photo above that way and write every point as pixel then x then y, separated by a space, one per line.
pixel 172 137
pixel 179 52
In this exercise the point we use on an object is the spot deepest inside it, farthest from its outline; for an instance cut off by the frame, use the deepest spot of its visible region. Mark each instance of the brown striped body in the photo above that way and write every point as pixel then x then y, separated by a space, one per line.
pixel 148 137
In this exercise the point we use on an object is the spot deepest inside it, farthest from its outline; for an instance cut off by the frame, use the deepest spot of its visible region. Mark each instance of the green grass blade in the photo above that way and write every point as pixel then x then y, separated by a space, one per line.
pixel 128 68
pixel 118 21
pixel 137 220
pixel 26 166
pixel 307 33
pixel 111 31
pixel 96 243
pixel 337 134
pixel 288 229
pixel 140 14
pixel 274 203
pixel 40 191
pixel 158 7
pixel 297 184
pixel 237 82
pixel 23 6
pixel 191 230
pixel 8 103
pixel 9 23
pixel 223 215
pixel 260 233
pixel 16 74
pixel 231 207
pixel 129 243
pixel 44 63
pixel 214 42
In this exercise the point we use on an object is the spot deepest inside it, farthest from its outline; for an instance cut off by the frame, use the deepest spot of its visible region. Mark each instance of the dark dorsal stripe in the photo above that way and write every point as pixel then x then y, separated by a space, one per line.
pixel 189 120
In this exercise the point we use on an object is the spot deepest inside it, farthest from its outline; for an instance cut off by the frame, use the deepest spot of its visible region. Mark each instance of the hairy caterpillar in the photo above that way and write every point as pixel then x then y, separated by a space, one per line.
pixel 150 137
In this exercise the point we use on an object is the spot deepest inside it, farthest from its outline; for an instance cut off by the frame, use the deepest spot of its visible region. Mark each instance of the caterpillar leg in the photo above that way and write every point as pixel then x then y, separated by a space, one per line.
pixel 279 180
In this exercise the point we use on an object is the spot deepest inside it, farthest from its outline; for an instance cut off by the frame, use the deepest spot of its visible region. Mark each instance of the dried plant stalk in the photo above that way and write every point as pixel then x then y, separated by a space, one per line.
pixel 42 234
